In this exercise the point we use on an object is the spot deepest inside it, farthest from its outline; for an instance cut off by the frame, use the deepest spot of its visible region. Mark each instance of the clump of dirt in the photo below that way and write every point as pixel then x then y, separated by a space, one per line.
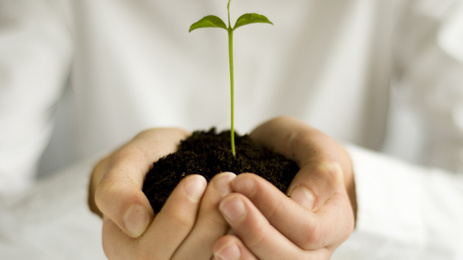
pixel 208 153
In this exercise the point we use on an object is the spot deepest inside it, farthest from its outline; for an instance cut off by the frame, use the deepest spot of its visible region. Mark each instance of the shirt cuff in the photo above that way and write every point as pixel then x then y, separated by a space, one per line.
pixel 389 220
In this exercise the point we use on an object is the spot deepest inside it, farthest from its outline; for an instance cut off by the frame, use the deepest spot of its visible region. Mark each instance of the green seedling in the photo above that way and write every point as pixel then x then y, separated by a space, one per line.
pixel 212 21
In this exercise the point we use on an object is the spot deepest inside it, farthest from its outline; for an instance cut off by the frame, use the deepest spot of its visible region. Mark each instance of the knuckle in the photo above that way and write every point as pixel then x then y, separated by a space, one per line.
pixel 182 220
pixel 332 174
pixel 215 221
pixel 104 191
pixel 128 155
pixel 273 210
pixel 170 132
pixel 113 194
pixel 313 238
pixel 101 166
pixel 258 235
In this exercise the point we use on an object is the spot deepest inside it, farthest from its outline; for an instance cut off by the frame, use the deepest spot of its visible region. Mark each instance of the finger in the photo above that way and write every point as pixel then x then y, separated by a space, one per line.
pixel 308 230
pixel 210 224
pixel 116 244
pixel 169 228
pixel 254 230
pixel 176 218
pixel 231 248
pixel 118 193
pixel 321 160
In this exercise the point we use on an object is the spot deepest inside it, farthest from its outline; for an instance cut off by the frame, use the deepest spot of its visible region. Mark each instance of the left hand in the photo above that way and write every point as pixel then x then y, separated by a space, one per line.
pixel 188 224
pixel 313 221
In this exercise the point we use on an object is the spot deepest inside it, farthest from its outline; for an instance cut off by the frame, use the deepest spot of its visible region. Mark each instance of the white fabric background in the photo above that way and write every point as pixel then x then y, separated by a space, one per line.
pixel 78 78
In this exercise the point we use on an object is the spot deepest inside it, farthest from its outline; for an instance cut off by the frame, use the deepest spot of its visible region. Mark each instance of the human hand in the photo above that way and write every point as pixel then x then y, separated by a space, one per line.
pixel 313 221
pixel 187 226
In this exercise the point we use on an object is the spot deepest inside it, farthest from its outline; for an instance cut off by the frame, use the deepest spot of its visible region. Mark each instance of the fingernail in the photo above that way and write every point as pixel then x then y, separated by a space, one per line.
pixel 303 197
pixel 222 183
pixel 194 187
pixel 136 220
pixel 233 209
pixel 228 252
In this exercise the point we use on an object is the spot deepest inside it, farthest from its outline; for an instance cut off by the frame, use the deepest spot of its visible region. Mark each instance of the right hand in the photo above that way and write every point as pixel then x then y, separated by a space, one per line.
pixel 187 226
pixel 313 220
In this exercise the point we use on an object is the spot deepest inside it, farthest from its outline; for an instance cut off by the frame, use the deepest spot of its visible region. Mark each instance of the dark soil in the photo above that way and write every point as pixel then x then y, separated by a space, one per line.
pixel 208 153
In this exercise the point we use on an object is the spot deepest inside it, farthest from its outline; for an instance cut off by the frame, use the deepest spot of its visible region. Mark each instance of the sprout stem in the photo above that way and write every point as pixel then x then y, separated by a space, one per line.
pixel 230 56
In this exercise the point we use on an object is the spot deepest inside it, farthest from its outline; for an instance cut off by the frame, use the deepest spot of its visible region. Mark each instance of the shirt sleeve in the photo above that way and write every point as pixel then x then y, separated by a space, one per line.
pixel 51 220
pixel 35 53
pixel 404 211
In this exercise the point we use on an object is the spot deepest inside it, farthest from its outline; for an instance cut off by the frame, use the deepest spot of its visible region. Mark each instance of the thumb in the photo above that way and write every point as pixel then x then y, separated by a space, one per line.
pixel 322 161
pixel 116 184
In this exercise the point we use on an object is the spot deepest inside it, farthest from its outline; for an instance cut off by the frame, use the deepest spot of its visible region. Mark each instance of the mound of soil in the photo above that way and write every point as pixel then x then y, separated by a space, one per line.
pixel 208 153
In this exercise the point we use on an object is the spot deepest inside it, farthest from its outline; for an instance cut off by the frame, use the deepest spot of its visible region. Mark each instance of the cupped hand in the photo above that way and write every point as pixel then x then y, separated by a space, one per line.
pixel 316 215
pixel 187 226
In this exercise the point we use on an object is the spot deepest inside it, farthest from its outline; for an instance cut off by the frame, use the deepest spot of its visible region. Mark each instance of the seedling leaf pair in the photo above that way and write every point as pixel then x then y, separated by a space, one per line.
pixel 212 21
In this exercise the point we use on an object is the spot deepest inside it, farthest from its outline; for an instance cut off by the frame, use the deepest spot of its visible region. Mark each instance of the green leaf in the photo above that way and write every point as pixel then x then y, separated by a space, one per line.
pixel 209 21
pixel 251 18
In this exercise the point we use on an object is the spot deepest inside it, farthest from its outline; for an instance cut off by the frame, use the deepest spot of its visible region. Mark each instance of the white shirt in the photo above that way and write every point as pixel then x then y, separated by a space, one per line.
pixel 78 78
